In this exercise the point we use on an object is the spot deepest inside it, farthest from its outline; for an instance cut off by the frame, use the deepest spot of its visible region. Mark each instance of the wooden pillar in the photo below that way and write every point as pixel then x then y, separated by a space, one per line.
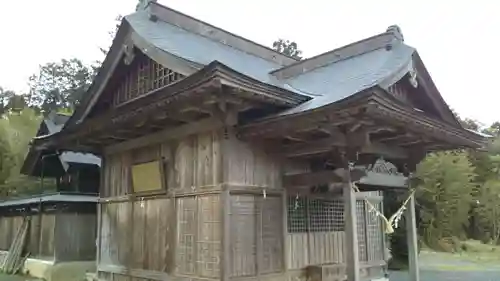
pixel 411 229
pixel 416 155
pixel 225 265
pixel 229 118
pixel 286 250
pixel 351 233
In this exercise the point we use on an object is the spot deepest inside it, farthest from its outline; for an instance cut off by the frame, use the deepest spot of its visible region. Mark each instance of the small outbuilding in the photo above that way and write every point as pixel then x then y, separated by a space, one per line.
pixel 62 222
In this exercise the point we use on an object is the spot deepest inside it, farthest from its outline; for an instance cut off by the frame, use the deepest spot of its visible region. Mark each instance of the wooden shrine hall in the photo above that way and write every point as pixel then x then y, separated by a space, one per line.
pixel 225 160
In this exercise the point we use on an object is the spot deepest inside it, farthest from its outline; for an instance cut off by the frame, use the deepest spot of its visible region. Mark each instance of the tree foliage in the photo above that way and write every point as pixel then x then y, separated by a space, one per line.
pixel 6 155
pixel 488 211
pixel 17 128
pixel 288 48
pixel 444 196
pixel 59 85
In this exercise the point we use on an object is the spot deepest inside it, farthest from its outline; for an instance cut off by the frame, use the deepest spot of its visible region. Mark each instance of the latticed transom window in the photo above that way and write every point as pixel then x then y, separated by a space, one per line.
pixel 143 76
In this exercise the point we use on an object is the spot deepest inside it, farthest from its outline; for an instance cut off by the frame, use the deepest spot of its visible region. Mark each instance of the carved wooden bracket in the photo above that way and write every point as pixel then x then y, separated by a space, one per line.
pixel 128 50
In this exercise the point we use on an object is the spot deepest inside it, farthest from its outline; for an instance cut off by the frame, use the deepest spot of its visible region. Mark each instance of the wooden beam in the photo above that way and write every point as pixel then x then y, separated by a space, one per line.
pixel 328 144
pixel 235 102
pixel 319 177
pixel 392 152
pixel 396 138
pixel 167 134
pixel 316 147
pixel 310 179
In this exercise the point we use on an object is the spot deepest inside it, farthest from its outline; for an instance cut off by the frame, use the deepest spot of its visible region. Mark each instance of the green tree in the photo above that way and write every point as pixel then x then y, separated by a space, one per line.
pixel 59 85
pixel 6 157
pixel 470 124
pixel 9 101
pixel 288 48
pixel 17 130
pixel 444 196
pixel 488 210
pixel 493 130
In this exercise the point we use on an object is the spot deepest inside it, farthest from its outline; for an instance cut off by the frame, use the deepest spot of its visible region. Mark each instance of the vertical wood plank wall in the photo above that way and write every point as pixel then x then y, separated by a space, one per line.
pixel 58 236
pixel 75 235
pixel 38 247
pixel 179 234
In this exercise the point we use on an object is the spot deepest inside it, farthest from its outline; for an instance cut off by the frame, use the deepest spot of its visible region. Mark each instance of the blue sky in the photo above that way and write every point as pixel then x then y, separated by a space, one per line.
pixel 457 40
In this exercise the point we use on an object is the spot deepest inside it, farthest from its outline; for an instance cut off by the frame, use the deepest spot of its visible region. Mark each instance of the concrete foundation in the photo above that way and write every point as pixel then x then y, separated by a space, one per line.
pixel 51 271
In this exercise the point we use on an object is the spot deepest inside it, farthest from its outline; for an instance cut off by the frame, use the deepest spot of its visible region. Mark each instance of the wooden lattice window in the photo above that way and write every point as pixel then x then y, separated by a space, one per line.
pixel 144 75
pixel 198 246
pixel 314 215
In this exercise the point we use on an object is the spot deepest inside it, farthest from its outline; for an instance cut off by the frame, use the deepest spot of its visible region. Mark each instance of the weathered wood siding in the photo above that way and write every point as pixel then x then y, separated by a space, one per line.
pixel 175 232
pixel 136 234
pixel 8 229
pixel 194 164
pixel 250 166
pixel 54 235
pixel 256 240
pixel 316 248
pixel 39 242
pixel 46 247
pixel 75 235
pixel 223 216
pixel 198 248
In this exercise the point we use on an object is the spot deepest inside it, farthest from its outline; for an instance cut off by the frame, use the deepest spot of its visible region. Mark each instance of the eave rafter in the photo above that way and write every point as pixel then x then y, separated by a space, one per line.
pixel 390 124
pixel 201 102
pixel 356 136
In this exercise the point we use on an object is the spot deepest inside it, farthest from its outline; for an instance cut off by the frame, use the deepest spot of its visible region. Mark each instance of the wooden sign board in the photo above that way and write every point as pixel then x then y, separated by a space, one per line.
pixel 147 176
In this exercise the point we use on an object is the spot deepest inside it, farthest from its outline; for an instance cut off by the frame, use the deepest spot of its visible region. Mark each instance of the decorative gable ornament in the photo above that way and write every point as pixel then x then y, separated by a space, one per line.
pixel 143 4
pixel 396 30
pixel 383 167
pixel 128 50
pixel 413 75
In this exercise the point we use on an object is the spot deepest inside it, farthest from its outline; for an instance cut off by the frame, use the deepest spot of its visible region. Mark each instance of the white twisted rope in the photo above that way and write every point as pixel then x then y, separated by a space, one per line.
pixel 393 222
